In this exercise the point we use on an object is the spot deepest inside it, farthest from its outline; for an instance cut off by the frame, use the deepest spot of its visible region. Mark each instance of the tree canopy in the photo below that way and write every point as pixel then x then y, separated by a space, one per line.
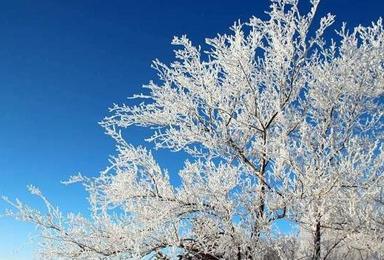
pixel 279 124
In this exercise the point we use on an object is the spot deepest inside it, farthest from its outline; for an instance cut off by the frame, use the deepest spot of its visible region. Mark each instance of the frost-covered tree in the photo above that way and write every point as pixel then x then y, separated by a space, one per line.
pixel 278 124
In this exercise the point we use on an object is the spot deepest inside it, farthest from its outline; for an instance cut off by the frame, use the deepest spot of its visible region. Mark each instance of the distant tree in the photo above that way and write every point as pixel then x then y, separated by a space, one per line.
pixel 278 124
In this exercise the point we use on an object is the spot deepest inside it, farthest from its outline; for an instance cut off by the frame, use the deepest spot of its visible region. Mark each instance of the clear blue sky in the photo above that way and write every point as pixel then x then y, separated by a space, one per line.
pixel 63 63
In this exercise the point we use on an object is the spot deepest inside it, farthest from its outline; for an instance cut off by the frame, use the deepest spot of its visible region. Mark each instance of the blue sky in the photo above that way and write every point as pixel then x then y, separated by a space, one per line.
pixel 63 63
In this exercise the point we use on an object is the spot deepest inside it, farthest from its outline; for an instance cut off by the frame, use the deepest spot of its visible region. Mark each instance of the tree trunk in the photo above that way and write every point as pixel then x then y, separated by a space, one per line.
pixel 317 241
